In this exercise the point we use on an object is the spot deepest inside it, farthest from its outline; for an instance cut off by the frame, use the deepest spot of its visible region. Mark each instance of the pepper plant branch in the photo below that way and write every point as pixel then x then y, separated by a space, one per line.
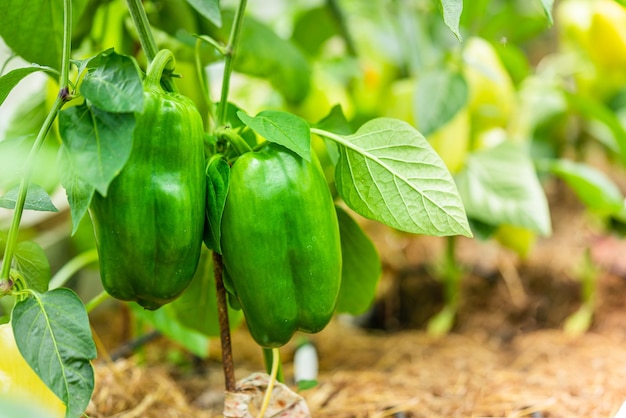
pixel 270 384
pixel 140 20
pixel 229 60
pixel 268 357
pixel 21 197
pixel 204 85
pixel 73 266
pixel 67 46
pixel 222 313
pixel 39 140
pixel 337 138
pixel 96 301
pixel 146 38
pixel 235 140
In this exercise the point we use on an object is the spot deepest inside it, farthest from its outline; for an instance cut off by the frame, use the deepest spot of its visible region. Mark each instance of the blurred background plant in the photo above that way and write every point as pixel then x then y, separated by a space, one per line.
pixel 514 105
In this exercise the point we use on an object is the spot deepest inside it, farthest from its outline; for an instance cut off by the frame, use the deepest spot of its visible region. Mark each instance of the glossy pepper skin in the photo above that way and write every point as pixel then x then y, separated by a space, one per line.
pixel 149 226
pixel 280 244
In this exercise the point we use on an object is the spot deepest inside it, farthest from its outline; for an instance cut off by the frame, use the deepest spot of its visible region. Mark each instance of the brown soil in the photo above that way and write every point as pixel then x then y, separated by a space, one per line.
pixel 507 355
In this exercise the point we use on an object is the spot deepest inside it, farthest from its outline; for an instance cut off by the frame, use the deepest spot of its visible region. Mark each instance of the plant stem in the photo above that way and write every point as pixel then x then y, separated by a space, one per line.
pixel 222 313
pixel 96 301
pixel 140 20
pixel 204 85
pixel 67 46
pixel 268 357
pixel 452 275
pixel 21 197
pixel 146 38
pixel 270 384
pixel 41 136
pixel 235 140
pixel 229 60
pixel 71 267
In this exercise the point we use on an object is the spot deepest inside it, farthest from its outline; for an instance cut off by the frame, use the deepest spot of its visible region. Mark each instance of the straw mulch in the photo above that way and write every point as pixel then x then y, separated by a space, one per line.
pixel 506 357
pixel 476 373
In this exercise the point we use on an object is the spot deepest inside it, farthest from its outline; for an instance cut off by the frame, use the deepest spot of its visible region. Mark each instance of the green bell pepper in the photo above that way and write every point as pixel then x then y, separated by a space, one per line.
pixel 149 226
pixel 280 244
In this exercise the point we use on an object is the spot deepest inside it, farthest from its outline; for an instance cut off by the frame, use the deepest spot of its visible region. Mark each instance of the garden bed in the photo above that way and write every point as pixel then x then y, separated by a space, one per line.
pixel 506 357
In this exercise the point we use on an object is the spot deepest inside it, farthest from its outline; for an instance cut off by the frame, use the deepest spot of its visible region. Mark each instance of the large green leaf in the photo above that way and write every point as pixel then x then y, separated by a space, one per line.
pixel 361 268
pixel 440 95
pixel 196 308
pixel 33 29
pixel 452 10
pixel 286 129
pixel 500 186
pixel 598 192
pixel 98 143
pixel 53 335
pixel 388 172
pixel 31 261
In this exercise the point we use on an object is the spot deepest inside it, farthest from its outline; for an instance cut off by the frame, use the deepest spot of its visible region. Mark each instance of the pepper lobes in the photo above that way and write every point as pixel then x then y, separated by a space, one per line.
pixel 149 226
pixel 280 244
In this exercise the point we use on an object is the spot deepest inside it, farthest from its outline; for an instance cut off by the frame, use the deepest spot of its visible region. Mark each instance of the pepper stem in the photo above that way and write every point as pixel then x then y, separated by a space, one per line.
pixel 163 61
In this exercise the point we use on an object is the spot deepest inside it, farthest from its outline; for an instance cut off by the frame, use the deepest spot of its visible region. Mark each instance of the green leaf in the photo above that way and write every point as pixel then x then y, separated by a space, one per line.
pixel 36 199
pixel 217 176
pixel 482 230
pixel 598 192
pixel 262 53
pixel 547 8
pixel 388 172
pixel 90 62
pixel 313 28
pixel 196 308
pixel 595 111
pixel 500 186
pixel 34 29
pixel 79 192
pixel 164 320
pixel 210 9
pixel 12 78
pixel 440 95
pixel 114 85
pixel 283 128
pixel 98 143
pixel 361 268
pixel 335 122
pixel 53 335
pixel 31 261
pixel 452 10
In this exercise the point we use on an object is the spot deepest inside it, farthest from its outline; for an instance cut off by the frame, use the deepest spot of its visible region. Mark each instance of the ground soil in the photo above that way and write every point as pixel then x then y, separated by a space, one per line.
pixel 507 355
